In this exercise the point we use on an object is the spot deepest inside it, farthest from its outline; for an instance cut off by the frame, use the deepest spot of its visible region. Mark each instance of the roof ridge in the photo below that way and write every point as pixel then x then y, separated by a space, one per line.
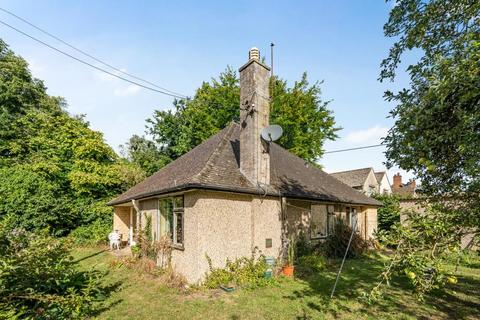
pixel 371 168
pixel 227 132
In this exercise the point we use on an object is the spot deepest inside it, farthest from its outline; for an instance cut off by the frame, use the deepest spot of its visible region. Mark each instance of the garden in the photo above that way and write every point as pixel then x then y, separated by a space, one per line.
pixel 141 295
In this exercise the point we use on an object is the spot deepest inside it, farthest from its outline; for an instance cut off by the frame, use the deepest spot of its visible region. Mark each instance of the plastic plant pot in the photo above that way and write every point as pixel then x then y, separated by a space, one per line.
pixel 288 270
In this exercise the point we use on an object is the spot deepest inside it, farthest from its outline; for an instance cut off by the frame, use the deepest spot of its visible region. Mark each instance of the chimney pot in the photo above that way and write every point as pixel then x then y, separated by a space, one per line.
pixel 254 54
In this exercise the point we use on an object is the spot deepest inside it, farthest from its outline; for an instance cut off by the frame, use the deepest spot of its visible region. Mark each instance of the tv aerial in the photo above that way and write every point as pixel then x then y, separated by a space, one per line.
pixel 271 133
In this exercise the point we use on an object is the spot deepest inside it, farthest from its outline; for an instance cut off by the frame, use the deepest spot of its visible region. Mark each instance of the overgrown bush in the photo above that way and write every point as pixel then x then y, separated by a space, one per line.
pixel 243 272
pixel 34 202
pixel 160 270
pixel 389 213
pixel 39 280
pixel 312 263
pixel 336 243
pixel 91 234
pixel 303 246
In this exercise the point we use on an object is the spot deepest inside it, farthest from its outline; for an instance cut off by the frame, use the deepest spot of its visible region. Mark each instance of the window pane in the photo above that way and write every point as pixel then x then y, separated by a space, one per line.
pixel 319 221
pixel 178 202
pixel 179 227
pixel 166 217
pixel 353 218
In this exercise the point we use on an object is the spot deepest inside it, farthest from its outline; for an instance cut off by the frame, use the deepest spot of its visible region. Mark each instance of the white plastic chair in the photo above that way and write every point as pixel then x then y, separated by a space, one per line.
pixel 114 239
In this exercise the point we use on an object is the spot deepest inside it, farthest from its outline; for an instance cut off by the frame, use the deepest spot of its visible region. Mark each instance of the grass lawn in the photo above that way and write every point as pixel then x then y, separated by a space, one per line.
pixel 135 296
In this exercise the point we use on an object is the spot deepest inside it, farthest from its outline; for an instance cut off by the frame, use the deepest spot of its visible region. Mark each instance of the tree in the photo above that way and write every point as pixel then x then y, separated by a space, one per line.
pixel 299 110
pixel 304 117
pixel 53 167
pixel 146 154
pixel 437 128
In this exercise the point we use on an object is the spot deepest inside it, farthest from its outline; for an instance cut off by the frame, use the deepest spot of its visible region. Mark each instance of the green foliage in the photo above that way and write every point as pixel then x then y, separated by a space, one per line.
pixel 304 117
pixel 92 234
pixel 302 246
pixel 145 154
pixel 27 196
pixel 436 134
pixel 389 213
pixel 39 280
pixel 423 245
pixel 336 243
pixel 312 263
pixel 244 272
pixel 55 171
pixel 306 121
pixel 291 250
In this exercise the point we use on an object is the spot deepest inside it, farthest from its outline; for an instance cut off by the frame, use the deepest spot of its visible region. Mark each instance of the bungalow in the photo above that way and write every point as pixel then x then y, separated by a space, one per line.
pixel 236 193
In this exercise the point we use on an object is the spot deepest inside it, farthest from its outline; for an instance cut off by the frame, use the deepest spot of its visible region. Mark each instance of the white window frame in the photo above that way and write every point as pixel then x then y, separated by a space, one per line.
pixel 175 212
pixel 352 211
pixel 315 237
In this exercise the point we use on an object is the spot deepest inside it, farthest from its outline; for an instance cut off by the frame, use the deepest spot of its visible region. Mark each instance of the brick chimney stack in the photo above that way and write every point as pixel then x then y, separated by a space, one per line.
pixel 397 180
pixel 254 116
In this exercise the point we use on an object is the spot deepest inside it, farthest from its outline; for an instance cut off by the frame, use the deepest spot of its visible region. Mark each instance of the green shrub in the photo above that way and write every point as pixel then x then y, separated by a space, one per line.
pixel 35 202
pixel 291 250
pixel 91 234
pixel 389 213
pixel 39 280
pixel 303 246
pixel 336 243
pixel 244 272
pixel 312 263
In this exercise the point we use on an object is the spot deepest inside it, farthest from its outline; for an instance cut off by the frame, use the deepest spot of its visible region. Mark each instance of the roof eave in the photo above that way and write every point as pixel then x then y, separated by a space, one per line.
pixel 237 190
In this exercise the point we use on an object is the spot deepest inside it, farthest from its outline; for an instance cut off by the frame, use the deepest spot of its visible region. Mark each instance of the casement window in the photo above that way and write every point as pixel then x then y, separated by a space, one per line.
pixel 171 219
pixel 322 220
pixel 352 217
pixel 332 219
pixel 318 221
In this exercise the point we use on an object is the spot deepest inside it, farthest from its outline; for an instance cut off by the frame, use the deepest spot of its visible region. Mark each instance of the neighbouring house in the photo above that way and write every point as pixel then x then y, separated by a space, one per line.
pixel 236 193
pixel 405 190
pixel 365 180
pixel 384 186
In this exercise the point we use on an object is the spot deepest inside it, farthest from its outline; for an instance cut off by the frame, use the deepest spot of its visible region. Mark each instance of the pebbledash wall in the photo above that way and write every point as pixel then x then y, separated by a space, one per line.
pixel 230 225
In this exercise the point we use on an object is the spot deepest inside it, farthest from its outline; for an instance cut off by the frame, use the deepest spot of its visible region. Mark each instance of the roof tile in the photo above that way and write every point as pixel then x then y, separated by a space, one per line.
pixel 214 164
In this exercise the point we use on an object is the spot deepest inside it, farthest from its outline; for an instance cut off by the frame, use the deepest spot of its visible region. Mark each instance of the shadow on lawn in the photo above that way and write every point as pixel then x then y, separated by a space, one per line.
pixel 104 289
pixel 90 256
pixel 361 275
pixel 452 304
pixel 105 292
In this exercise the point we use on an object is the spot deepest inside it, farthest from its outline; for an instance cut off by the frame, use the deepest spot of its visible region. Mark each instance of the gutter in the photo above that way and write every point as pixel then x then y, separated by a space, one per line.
pixel 236 190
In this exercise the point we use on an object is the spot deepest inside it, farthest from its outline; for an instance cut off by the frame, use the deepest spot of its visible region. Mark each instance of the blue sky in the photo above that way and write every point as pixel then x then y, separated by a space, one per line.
pixel 179 44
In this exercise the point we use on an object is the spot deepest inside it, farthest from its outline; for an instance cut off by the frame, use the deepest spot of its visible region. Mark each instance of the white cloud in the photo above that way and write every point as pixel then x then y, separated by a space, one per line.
pixel 128 91
pixel 373 135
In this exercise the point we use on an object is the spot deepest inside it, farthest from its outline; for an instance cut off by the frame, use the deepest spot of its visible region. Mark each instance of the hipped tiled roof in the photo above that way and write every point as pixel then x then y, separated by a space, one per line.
pixel 214 164
pixel 353 178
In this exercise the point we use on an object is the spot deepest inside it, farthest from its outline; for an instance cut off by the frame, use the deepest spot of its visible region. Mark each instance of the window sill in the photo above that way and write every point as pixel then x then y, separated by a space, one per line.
pixel 319 238
pixel 178 247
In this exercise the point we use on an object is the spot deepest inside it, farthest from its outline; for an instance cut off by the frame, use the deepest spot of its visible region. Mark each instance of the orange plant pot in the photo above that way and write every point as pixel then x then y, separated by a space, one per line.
pixel 288 270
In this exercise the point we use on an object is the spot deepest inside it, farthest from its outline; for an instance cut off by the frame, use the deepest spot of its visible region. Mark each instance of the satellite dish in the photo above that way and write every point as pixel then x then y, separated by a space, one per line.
pixel 271 133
